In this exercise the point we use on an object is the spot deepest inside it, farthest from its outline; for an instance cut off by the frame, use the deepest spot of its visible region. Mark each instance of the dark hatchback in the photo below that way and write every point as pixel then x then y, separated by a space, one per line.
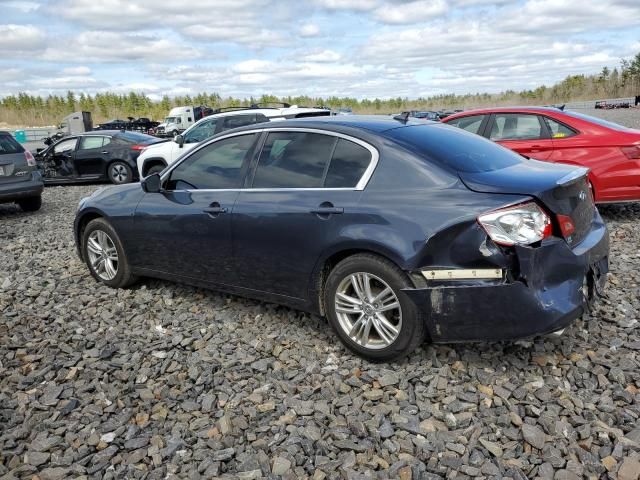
pixel 20 180
pixel 94 156
pixel 395 231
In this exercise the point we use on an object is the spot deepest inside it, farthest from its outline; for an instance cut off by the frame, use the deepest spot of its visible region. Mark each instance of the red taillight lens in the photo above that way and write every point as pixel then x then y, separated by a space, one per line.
pixel 30 160
pixel 632 152
pixel 522 224
pixel 567 227
pixel 138 148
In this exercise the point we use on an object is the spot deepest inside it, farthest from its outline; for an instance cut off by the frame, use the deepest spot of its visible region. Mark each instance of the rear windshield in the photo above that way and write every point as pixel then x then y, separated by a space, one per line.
pixel 137 137
pixel 454 148
pixel 599 121
pixel 9 145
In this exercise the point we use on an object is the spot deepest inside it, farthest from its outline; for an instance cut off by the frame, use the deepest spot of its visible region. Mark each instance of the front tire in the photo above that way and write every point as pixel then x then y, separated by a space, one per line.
pixel 31 204
pixel 104 255
pixel 155 169
pixel 119 173
pixel 365 305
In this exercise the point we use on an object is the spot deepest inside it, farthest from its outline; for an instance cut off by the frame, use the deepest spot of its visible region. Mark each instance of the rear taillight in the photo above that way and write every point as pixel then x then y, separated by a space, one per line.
pixel 522 224
pixel 567 227
pixel 632 152
pixel 138 148
pixel 30 160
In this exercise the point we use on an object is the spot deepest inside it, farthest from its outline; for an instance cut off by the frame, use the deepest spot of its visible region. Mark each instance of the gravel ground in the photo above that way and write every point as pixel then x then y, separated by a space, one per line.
pixel 169 381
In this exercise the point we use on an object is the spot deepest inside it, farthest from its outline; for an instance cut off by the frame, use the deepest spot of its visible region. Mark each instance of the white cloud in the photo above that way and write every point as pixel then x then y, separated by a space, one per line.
pixel 410 12
pixel 23 6
pixel 322 56
pixel 358 5
pixel 77 70
pixel 15 39
pixel 309 30
pixel 105 47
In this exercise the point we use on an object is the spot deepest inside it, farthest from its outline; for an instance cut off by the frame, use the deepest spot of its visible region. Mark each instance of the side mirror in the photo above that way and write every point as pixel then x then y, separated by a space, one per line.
pixel 179 139
pixel 152 183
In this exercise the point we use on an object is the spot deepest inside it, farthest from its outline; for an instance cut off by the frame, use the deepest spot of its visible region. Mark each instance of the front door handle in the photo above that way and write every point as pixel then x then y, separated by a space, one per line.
pixel 328 210
pixel 104 152
pixel 214 209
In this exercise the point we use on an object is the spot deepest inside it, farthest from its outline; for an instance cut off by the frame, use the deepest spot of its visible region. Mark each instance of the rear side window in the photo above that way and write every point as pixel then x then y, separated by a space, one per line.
pixel 294 160
pixel 237 121
pixel 470 124
pixel 88 143
pixel 515 126
pixel 559 130
pixel 457 150
pixel 348 164
pixel 218 165
pixel 9 145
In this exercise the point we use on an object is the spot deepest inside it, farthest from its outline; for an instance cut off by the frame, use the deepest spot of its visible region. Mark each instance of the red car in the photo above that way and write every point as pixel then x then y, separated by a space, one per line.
pixel 611 151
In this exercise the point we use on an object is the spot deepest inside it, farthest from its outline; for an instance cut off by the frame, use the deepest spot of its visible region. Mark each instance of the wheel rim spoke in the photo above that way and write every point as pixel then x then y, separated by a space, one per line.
pixel 360 303
pixel 384 329
pixel 348 304
pixel 102 255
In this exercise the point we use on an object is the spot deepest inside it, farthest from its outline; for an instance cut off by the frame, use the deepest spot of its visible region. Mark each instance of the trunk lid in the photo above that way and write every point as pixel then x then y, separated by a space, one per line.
pixel 562 189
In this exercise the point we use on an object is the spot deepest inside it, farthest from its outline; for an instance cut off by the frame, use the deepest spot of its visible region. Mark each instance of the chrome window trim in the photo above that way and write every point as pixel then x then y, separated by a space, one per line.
pixel 361 185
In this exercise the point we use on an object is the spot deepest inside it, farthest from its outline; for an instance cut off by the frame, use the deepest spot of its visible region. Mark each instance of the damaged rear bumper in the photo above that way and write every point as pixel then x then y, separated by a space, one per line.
pixel 553 285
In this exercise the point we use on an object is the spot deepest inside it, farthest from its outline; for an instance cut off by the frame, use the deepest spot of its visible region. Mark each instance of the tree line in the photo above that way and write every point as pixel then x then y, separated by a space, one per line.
pixel 30 110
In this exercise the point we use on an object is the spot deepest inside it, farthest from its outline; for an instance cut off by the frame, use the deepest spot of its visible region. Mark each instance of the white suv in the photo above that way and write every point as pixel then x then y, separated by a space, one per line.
pixel 159 155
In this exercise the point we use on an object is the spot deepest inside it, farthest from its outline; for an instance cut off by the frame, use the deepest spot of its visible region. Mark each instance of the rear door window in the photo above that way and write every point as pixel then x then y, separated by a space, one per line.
pixel 9 145
pixel 294 160
pixel 470 124
pixel 516 126
pixel 88 143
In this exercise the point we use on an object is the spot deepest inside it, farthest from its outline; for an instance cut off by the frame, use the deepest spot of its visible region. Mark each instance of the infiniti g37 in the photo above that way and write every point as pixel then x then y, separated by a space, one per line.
pixel 397 231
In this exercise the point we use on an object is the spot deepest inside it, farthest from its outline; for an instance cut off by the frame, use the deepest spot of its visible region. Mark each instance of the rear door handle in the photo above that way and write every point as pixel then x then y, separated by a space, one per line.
pixel 104 152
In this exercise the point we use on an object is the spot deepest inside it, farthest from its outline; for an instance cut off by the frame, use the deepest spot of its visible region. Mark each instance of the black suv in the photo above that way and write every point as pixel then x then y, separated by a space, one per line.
pixel 20 180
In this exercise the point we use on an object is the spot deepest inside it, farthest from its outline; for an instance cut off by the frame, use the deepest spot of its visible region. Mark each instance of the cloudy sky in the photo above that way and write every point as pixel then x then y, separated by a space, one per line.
pixel 359 48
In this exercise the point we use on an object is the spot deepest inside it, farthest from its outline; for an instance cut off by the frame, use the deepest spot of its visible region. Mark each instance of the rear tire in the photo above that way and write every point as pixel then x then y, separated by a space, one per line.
pixel 119 173
pixel 104 255
pixel 380 323
pixel 31 204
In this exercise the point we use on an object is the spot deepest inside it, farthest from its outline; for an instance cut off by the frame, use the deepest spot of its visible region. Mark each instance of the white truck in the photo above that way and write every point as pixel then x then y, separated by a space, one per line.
pixel 181 118
pixel 156 157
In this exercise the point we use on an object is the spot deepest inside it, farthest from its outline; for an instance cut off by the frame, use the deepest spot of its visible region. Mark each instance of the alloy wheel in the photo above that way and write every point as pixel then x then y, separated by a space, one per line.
pixel 119 173
pixel 103 255
pixel 368 310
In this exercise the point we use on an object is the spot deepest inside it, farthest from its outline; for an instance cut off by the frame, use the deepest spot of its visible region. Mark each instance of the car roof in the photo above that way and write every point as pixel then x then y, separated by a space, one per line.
pixel 373 123
pixel 516 109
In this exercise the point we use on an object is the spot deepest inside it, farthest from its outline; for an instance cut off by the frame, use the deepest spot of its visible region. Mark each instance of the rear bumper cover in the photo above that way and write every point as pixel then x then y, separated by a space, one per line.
pixel 11 192
pixel 555 285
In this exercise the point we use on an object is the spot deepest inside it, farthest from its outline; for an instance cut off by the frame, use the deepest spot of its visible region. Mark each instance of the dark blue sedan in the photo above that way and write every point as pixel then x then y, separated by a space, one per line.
pixel 396 230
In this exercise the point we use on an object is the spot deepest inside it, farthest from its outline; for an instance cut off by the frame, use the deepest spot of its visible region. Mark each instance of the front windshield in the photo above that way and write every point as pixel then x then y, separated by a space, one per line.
pixel 599 121
pixel 170 120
